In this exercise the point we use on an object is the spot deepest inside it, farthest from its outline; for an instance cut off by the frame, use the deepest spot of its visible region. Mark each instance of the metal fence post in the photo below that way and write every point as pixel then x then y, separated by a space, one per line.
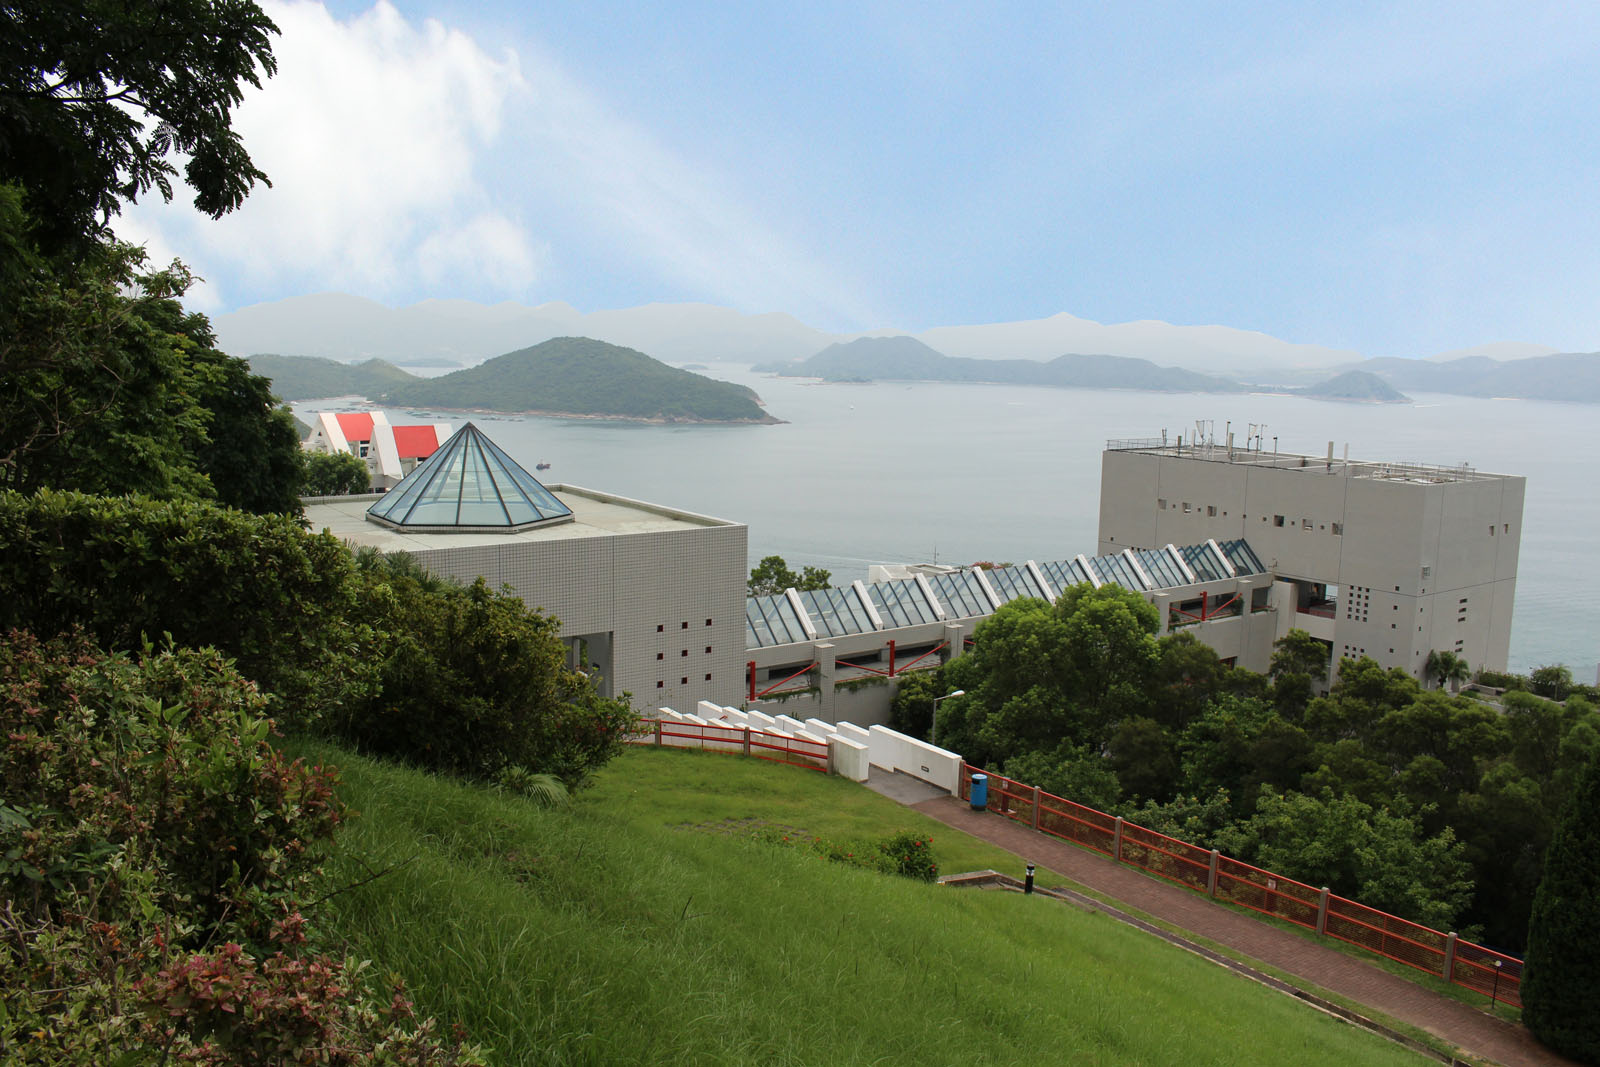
pixel 658 733
pixel 1322 913
pixel 747 740
pixel 1211 878
pixel 1116 841
pixel 1450 957
pixel 1036 792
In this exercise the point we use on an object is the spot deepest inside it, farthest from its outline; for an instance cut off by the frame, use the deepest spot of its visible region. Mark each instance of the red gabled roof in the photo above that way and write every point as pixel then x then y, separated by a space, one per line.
pixel 416 442
pixel 356 426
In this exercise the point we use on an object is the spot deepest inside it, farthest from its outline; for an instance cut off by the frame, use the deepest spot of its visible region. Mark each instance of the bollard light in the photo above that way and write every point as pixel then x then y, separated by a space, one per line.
pixel 1027 885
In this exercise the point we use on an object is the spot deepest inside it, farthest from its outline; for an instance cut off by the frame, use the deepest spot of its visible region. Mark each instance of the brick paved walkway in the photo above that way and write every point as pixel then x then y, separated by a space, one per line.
pixel 1476 1032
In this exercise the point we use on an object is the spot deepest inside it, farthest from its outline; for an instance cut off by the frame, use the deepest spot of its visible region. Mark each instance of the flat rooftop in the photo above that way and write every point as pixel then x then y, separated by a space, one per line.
pixel 1372 470
pixel 594 514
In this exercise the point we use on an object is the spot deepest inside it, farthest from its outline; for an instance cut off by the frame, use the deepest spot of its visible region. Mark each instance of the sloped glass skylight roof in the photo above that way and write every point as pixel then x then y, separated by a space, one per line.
pixel 469 485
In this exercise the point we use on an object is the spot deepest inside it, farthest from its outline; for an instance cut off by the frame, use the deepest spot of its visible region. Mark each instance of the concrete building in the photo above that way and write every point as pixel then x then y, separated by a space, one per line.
pixel 391 452
pixel 835 654
pixel 650 597
pixel 1382 559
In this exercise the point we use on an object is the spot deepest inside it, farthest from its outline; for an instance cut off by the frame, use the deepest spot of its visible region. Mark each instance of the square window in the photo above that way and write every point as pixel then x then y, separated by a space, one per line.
pixel 1211 511
pixel 685 626
pixel 708 622
pixel 708 650
pixel 1305 524
pixel 685 652
pixel 684 681
pixel 661 655
pixel 708 677
pixel 1186 507
pixel 1161 503
pixel 1338 529
pixel 661 685
pixel 661 628
pixel 1277 520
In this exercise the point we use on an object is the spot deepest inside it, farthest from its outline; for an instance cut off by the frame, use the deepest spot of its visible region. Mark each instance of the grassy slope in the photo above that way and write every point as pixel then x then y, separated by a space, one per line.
pixel 610 933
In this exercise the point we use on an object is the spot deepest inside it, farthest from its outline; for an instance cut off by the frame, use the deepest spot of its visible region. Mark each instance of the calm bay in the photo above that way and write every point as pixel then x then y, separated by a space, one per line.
pixel 917 471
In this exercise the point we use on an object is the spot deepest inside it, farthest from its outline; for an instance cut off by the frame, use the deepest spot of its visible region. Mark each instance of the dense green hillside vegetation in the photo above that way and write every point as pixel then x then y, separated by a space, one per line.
pixel 311 377
pixel 907 359
pixel 1432 806
pixel 647 925
pixel 578 376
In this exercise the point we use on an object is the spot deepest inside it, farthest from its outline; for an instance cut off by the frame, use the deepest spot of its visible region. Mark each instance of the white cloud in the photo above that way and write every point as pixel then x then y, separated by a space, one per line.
pixel 404 158
pixel 371 133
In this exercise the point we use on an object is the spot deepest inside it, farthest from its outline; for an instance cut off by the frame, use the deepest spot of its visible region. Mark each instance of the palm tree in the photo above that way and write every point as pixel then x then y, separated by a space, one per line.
pixel 1447 667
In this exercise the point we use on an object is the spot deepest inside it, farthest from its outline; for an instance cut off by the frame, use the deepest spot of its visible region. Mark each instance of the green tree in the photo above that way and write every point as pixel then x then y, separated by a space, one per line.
pixel 1447 668
pixel 334 474
pixel 108 386
pixel 97 96
pixel 1376 856
pixel 1561 982
pixel 1144 759
pixel 1297 652
pixel 1071 773
pixel 772 575
pixel 1553 681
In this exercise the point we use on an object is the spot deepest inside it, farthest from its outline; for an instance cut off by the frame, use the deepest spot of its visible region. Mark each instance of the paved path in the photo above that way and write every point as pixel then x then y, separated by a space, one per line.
pixel 1476 1032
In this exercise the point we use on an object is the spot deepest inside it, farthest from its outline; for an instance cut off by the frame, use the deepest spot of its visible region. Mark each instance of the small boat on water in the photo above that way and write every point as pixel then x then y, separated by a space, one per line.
pixel 541 466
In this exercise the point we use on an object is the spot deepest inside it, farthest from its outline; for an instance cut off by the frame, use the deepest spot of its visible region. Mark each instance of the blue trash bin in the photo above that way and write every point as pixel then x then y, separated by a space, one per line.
pixel 979 793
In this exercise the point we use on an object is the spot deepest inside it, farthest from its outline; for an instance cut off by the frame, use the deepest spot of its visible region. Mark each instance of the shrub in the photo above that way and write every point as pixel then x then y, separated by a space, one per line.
pixel 260 589
pixel 474 683
pixel 910 855
pixel 154 850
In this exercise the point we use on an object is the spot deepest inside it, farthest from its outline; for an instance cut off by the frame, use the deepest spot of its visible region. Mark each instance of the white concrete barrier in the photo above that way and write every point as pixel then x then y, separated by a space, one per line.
pixel 849 758
pixel 760 720
pixel 855 733
pixel 895 751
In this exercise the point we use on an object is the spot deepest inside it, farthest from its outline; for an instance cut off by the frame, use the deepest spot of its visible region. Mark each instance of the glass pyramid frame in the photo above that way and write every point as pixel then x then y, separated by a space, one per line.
pixel 468 486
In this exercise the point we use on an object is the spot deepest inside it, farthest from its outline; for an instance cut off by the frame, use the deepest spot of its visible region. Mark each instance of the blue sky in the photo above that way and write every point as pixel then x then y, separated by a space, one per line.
pixel 1397 179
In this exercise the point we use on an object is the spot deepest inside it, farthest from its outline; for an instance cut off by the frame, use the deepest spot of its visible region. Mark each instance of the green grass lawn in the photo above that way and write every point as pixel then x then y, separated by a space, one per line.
pixel 627 929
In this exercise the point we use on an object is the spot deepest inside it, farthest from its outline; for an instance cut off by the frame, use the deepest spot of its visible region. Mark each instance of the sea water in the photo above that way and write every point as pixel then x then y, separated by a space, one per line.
pixel 921 471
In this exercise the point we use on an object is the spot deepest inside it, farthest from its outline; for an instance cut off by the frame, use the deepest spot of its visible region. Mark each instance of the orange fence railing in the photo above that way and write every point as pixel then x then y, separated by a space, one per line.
pixel 713 737
pixel 1224 878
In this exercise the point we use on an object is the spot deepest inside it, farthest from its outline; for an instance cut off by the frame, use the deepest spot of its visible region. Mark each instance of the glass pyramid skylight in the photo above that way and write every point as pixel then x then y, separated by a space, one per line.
pixel 468 485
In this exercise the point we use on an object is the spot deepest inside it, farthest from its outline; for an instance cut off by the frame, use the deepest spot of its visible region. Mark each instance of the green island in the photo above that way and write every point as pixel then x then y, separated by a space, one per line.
pixel 314 377
pixel 577 376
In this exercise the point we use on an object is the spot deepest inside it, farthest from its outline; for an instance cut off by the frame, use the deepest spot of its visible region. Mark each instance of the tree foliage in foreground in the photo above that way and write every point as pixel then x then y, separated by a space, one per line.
pixel 97 96
pixel 1561 983
pixel 156 852
pixel 107 385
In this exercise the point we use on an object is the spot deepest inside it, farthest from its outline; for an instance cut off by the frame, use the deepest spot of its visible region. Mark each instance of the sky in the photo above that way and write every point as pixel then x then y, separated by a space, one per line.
pixel 1398 179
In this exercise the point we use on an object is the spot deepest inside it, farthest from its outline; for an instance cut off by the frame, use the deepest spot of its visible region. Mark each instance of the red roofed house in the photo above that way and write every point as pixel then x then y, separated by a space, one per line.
pixel 391 452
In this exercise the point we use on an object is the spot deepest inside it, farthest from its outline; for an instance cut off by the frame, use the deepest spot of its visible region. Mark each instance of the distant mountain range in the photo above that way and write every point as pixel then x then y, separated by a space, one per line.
pixel 572 376
pixel 908 359
pixel 350 328
pixel 1059 350
pixel 1564 376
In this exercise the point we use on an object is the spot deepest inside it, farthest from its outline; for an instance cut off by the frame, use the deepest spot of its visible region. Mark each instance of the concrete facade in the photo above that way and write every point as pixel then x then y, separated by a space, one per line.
pixel 650 597
pixel 1386 560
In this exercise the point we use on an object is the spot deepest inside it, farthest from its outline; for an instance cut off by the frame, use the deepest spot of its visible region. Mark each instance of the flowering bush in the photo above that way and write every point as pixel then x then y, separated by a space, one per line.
pixel 910 855
pixel 145 819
